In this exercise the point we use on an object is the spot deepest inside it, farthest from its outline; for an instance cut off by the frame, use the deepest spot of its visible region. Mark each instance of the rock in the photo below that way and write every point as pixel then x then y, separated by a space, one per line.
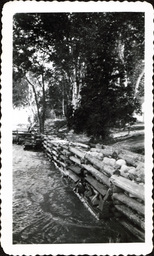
pixel 98 145
pixel 124 174
pixel 131 176
pixel 140 167
pixel 121 162
pixel 115 155
pixel 141 184
pixel 132 171
pixel 142 177
pixel 124 168
pixel 109 161
pixel 138 179
pixel 97 155
pixel 140 174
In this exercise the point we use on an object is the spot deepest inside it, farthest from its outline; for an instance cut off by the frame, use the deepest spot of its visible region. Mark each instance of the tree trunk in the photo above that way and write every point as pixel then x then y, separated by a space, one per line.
pixel 63 100
pixel 44 105
pixel 138 83
pixel 37 104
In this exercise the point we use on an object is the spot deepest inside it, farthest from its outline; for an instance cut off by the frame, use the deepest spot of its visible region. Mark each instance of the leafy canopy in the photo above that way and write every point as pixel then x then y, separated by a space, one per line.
pixel 99 54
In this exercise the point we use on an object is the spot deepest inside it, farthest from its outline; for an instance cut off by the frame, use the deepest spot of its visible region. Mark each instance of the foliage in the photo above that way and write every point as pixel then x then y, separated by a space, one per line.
pixel 111 52
pixel 20 93
pixel 95 62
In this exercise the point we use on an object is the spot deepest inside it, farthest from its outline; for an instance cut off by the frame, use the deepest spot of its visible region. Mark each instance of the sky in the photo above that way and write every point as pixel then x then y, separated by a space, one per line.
pixel 20 116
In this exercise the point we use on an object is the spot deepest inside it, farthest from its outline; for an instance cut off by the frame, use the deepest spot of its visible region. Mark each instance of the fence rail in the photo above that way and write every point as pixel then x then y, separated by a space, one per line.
pixel 110 180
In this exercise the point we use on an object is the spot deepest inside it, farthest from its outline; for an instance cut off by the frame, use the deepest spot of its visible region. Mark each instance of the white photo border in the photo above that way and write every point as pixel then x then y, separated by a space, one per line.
pixel 9 10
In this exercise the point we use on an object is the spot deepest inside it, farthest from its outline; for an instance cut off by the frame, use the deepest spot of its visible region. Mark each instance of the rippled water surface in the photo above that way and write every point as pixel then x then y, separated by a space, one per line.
pixel 46 210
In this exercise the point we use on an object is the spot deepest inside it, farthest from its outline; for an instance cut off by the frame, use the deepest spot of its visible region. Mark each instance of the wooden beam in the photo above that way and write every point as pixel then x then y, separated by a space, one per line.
pixel 78 144
pixel 75 160
pixel 136 232
pixel 131 158
pixel 109 170
pixel 128 186
pixel 135 218
pixel 99 176
pixel 99 164
pixel 72 175
pixel 102 189
pixel 77 152
pixel 75 169
pixel 130 202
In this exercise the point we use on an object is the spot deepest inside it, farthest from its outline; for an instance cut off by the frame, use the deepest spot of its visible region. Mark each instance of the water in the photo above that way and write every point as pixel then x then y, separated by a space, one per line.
pixel 46 210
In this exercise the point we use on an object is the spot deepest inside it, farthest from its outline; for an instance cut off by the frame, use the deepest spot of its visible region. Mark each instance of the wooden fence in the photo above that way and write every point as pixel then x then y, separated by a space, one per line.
pixel 109 180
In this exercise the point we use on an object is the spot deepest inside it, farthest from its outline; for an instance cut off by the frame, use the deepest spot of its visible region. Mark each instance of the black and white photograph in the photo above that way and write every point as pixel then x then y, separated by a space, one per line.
pixel 77 128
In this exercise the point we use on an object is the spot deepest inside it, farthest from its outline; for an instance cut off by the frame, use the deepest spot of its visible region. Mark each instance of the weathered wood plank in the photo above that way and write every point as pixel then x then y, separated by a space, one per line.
pixel 49 155
pixel 103 200
pixel 77 152
pixel 109 170
pixel 72 175
pixel 75 160
pixel 97 150
pixel 65 146
pixel 99 164
pixel 60 163
pixel 78 144
pixel 139 234
pixel 102 189
pixel 108 151
pixel 66 152
pixel 55 153
pixel 136 219
pixel 62 157
pixel 131 158
pixel 49 150
pixel 99 176
pixel 109 161
pixel 132 203
pixel 75 169
pixel 128 186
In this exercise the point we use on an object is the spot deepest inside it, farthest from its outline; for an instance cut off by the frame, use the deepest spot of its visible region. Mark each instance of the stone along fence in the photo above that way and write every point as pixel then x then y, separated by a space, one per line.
pixel 109 180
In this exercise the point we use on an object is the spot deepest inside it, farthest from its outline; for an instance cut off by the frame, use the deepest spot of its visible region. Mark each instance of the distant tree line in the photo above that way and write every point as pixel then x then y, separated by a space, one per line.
pixel 88 67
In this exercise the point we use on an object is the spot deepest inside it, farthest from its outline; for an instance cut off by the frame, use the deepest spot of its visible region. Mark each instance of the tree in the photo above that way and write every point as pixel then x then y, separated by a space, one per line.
pixel 20 93
pixel 107 97
pixel 35 59
pixel 31 63
pixel 95 65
